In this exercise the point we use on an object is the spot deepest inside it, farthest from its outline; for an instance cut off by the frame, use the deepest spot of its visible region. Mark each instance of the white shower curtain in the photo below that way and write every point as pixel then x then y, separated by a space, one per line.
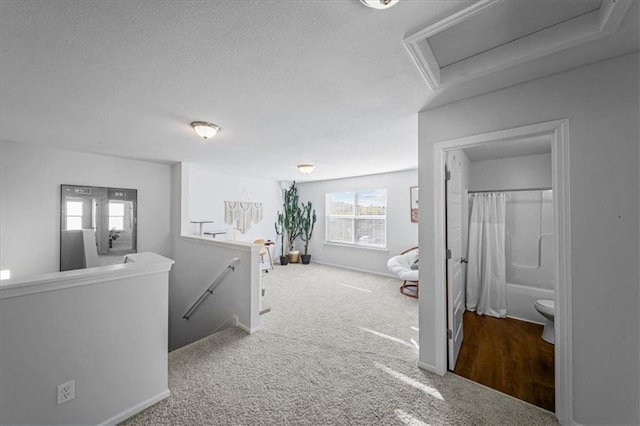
pixel 486 271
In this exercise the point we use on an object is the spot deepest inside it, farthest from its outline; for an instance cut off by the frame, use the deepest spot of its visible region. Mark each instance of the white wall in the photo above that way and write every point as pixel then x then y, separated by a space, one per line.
pixel 198 261
pixel 30 179
pixel 602 105
pixel 209 190
pixel 401 232
pixel 530 171
pixel 108 333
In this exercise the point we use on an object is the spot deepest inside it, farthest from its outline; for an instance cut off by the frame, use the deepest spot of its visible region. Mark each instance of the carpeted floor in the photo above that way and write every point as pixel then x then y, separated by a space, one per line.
pixel 338 348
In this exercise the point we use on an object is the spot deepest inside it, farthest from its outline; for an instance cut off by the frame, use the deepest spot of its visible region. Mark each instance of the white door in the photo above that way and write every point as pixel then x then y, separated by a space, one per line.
pixel 455 281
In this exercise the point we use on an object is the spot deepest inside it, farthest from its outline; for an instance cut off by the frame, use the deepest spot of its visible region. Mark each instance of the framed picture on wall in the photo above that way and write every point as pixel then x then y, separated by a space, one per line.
pixel 413 193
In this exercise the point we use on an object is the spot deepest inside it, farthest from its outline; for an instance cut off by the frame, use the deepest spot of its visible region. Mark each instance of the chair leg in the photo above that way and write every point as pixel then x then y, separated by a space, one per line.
pixel 410 284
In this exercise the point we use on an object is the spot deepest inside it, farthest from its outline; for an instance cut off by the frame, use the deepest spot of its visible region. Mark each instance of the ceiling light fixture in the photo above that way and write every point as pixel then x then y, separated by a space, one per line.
pixel 306 168
pixel 379 4
pixel 205 129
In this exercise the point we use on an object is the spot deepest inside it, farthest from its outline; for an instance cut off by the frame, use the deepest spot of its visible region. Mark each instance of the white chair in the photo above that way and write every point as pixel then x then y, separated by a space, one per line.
pixel 405 266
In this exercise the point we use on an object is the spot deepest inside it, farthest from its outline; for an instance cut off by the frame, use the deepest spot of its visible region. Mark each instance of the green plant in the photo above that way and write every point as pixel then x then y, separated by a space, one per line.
pixel 307 220
pixel 292 214
pixel 280 230
pixel 113 234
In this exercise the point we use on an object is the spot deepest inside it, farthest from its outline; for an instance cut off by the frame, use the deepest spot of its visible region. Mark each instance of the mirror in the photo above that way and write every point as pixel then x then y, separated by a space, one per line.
pixel 98 225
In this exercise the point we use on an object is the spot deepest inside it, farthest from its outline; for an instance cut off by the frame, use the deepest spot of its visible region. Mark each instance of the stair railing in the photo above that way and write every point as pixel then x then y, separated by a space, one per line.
pixel 214 284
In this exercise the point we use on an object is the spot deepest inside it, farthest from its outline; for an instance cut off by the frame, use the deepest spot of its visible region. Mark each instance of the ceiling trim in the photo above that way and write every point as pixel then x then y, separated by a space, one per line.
pixel 576 31
pixel 421 52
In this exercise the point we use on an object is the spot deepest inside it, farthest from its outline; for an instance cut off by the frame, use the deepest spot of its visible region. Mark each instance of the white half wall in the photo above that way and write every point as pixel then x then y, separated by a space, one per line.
pixel 602 104
pixel 30 179
pixel 104 328
pixel 234 302
pixel 401 232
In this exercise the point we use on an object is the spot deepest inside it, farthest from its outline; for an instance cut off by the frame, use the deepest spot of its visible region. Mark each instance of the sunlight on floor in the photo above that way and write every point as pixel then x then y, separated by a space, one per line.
pixel 412 382
pixel 408 419
pixel 355 288
pixel 393 339
pixel 415 328
pixel 415 343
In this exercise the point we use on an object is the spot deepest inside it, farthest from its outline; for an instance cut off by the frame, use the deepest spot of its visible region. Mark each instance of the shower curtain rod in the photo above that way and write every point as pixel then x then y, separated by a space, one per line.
pixel 511 190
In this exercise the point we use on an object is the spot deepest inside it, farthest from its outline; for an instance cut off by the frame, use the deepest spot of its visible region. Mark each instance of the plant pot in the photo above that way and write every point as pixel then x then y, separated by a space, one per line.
pixel 294 256
pixel 306 258
pixel 284 260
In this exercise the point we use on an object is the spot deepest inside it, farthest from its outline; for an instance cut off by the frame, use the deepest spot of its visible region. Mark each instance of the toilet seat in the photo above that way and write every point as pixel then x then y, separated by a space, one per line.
pixel 547 306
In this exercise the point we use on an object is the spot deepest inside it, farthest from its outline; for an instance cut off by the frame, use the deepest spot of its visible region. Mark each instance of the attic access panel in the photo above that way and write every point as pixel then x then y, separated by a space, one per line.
pixel 504 23
pixel 491 35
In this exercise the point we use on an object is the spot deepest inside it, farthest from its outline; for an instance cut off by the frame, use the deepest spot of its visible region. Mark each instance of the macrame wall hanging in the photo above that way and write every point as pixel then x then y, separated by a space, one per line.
pixel 242 213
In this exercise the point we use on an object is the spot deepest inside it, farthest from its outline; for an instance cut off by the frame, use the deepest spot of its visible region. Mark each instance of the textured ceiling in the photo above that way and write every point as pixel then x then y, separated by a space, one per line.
pixel 326 82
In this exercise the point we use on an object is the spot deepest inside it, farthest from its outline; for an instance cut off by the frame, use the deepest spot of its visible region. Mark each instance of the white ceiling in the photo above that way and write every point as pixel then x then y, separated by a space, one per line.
pixel 326 82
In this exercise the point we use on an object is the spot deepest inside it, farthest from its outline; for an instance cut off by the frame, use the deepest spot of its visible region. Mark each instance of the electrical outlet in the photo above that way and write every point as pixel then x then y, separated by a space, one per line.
pixel 66 392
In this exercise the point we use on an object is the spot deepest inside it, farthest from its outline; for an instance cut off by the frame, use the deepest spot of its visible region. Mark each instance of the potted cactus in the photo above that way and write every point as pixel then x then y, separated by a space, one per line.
pixel 292 216
pixel 280 230
pixel 307 221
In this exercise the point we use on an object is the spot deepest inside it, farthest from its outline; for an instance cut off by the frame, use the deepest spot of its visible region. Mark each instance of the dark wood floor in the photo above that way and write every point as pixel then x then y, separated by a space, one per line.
pixel 510 356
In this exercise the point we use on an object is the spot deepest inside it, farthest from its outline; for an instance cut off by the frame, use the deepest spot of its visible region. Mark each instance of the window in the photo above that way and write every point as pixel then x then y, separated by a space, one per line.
pixel 116 215
pixel 74 215
pixel 358 218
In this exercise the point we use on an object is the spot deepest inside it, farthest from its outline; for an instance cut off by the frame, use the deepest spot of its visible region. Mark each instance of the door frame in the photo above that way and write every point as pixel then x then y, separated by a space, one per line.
pixel 558 130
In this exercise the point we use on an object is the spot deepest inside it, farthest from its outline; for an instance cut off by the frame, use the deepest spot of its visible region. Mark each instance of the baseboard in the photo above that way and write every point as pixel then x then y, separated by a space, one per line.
pixel 225 324
pixel 124 415
pixel 430 368
pixel 525 320
pixel 246 329
pixel 356 269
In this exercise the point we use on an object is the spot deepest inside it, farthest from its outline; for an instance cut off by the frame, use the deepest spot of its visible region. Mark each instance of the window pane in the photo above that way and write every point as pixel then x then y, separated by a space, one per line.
pixel 340 203
pixel 116 209
pixel 74 208
pixel 371 232
pixel 116 222
pixel 341 230
pixel 74 222
pixel 372 202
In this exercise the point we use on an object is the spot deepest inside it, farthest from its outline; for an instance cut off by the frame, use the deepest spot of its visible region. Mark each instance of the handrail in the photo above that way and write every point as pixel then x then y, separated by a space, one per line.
pixel 214 284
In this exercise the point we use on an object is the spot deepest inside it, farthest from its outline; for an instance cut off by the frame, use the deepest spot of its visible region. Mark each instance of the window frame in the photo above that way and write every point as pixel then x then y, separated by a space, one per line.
pixel 116 202
pixel 355 217
pixel 75 216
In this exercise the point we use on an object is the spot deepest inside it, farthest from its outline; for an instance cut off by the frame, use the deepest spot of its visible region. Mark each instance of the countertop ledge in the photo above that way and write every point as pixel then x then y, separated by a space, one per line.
pixel 137 264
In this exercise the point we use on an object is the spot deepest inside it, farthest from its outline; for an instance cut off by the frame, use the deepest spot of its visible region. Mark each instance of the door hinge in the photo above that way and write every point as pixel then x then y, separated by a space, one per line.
pixel 448 254
pixel 447 175
pixel 449 333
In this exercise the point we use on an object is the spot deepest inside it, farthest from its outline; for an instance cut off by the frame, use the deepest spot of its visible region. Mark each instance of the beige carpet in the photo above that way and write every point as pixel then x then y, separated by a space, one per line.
pixel 338 348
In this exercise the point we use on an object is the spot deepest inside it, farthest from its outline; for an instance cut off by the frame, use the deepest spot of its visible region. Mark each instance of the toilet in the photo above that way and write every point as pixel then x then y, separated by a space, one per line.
pixel 547 309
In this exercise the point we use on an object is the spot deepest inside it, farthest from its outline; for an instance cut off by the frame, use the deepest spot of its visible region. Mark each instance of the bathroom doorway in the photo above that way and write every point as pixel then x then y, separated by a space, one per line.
pixel 509 142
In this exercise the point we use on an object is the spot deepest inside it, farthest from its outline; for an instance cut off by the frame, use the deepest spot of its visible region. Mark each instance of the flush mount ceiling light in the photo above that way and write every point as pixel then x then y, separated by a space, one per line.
pixel 205 129
pixel 306 168
pixel 379 4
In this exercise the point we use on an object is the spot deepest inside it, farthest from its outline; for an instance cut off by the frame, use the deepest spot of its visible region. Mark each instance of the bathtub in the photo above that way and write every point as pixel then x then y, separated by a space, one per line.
pixel 529 254
pixel 520 300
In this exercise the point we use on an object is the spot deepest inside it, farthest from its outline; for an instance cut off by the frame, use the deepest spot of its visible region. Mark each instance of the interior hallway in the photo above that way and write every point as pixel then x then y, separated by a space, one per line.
pixel 338 347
